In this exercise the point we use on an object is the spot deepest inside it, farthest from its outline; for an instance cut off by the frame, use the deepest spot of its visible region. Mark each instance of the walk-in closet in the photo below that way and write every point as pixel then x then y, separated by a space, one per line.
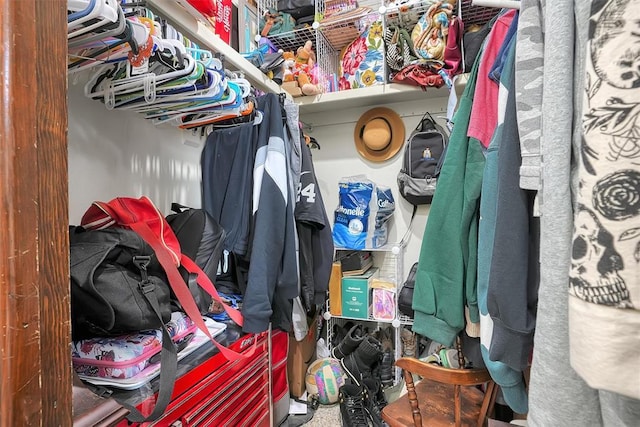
pixel 401 213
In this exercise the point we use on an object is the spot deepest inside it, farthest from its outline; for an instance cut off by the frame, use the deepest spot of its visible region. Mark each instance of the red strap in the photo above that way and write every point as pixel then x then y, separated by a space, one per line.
pixel 181 290
pixel 207 285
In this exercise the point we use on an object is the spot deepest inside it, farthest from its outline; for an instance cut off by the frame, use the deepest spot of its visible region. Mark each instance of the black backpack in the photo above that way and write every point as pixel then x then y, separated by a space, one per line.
pixel 424 153
pixel 201 239
pixel 405 298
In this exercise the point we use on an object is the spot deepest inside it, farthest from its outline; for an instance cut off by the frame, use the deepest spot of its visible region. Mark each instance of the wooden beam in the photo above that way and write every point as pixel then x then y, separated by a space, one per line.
pixel 35 365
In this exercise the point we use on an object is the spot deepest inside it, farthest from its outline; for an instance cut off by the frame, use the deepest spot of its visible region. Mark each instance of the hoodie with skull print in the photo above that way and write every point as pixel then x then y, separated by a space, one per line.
pixel 604 287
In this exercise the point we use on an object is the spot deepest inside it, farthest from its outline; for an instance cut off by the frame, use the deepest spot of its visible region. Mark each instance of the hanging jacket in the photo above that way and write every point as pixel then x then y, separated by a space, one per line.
pixel 604 275
pixel 272 279
pixel 227 163
pixel 510 380
pixel 446 278
pixel 484 113
pixel 528 80
pixel 314 232
pixel 513 281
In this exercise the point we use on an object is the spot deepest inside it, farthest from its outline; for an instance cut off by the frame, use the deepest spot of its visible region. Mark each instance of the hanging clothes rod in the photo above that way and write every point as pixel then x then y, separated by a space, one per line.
pixel 501 4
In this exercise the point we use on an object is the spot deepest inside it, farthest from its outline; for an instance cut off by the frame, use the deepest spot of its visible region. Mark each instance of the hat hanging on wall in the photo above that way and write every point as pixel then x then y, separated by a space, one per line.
pixel 379 134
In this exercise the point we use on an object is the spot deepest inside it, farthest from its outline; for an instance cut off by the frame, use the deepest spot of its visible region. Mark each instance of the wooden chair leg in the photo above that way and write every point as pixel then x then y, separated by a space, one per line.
pixel 413 398
pixel 488 403
pixel 457 409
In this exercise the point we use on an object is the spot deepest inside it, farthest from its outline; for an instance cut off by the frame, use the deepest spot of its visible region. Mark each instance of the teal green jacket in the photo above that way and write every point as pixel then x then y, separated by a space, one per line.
pixel 447 265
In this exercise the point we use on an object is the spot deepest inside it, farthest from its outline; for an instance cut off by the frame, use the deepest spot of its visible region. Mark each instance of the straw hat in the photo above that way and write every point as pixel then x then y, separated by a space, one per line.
pixel 379 134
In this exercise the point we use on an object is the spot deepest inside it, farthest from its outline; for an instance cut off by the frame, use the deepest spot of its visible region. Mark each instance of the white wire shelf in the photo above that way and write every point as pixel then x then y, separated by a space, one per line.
pixel 195 26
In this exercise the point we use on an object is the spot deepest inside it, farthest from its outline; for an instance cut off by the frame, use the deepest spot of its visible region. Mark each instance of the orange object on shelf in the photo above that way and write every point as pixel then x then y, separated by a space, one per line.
pixel 335 290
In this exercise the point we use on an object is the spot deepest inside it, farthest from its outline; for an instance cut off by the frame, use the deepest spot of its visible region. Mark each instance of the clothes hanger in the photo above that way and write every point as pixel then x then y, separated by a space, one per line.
pixel 215 92
pixel 123 84
pixel 246 115
pixel 83 11
pixel 314 144
pixel 164 96
pixel 206 57
pixel 212 106
pixel 109 30
pixel 113 51
pixel 185 82
pixel 204 87
pixel 230 103
pixel 108 14
pixel 194 94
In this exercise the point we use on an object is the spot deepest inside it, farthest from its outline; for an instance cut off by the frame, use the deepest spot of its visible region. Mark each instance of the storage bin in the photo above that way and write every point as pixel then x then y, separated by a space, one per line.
pixel 125 356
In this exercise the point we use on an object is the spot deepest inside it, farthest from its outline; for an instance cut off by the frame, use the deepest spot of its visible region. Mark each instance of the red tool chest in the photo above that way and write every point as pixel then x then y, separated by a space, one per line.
pixel 218 392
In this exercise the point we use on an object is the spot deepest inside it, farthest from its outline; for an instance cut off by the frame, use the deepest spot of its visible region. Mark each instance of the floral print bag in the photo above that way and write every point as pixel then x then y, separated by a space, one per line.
pixel 362 61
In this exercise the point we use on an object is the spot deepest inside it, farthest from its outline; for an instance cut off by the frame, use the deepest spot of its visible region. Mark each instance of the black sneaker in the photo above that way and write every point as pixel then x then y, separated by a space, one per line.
pixel 374 401
pixel 352 409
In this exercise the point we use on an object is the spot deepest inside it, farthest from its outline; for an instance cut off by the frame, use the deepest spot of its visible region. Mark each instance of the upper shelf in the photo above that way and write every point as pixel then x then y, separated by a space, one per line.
pixel 368 96
pixel 186 19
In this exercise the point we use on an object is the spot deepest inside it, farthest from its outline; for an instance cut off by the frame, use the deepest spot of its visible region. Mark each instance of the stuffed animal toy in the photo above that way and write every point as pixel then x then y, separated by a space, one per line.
pixel 304 67
pixel 288 66
pixel 298 71
pixel 289 82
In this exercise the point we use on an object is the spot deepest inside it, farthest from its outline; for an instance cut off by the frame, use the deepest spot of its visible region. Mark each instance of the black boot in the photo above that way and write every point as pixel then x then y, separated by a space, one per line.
pixel 358 364
pixel 337 334
pixel 349 343
pixel 386 368
pixel 352 406
pixel 374 401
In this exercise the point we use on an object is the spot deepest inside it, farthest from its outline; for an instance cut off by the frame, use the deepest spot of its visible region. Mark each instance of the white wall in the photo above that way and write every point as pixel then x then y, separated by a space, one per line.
pixel 117 153
pixel 338 157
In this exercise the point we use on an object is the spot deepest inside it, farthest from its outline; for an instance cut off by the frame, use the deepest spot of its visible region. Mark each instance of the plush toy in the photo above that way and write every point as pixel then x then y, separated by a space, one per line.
pixel 304 67
pixel 289 82
pixel 288 66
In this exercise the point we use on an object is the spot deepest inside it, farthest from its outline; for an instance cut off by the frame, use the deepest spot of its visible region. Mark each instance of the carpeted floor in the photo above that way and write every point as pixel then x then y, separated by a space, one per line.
pixel 329 415
pixel 326 416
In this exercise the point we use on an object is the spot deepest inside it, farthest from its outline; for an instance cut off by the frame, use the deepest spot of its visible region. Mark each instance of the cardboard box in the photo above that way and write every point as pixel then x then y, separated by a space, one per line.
pixel 301 354
pixel 355 294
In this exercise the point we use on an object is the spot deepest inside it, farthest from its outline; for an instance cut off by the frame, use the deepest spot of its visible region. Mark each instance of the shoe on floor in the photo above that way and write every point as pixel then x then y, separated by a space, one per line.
pixel 352 410
pixel 374 401
pixel 409 342
pixel 385 336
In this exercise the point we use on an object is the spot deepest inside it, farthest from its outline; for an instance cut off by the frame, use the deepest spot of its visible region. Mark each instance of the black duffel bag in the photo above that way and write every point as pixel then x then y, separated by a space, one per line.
pixel 116 284
pixel 297 8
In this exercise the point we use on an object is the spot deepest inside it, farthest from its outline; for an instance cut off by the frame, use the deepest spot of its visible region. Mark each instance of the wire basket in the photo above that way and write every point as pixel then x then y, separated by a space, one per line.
pixel 292 40
pixel 347 22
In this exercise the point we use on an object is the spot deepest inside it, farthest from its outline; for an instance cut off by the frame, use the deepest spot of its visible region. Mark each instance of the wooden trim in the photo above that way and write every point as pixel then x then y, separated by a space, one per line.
pixel 35 363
